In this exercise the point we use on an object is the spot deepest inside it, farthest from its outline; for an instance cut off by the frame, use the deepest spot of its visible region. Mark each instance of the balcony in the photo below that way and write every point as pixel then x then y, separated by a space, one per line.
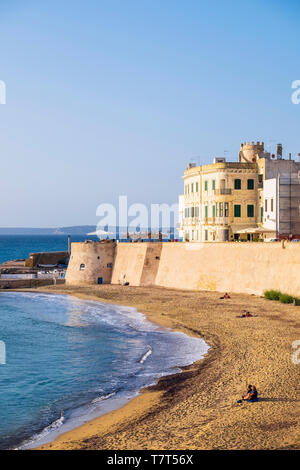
pixel 223 192
pixel 222 220
pixel 209 220
pixel 190 221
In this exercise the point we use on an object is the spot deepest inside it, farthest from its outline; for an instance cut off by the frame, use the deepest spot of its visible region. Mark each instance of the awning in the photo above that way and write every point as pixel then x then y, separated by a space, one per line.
pixel 255 230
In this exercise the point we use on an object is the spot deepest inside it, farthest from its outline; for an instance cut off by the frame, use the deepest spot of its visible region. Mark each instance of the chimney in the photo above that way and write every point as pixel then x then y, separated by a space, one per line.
pixel 279 151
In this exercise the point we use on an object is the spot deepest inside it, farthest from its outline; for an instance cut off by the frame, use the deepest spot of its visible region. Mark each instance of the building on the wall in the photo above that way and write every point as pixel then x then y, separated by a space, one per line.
pixel 282 205
pixel 256 197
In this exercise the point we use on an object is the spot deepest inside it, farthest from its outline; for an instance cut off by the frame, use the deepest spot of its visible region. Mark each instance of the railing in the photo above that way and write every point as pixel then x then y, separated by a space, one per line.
pixel 50 275
pixel 190 220
pixel 222 220
pixel 223 191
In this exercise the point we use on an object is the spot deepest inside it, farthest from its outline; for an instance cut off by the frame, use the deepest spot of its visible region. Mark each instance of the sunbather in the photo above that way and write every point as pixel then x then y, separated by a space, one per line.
pixel 245 315
pixel 251 394
pixel 225 296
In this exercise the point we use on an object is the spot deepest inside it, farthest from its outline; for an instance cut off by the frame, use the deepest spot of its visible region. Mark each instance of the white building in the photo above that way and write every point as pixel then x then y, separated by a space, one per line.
pixel 270 215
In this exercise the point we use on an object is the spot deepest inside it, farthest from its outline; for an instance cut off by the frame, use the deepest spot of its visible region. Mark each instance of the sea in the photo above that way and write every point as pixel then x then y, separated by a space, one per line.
pixel 66 361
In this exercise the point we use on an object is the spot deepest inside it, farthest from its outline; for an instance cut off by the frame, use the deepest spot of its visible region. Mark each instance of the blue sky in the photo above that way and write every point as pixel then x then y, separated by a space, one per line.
pixel 114 97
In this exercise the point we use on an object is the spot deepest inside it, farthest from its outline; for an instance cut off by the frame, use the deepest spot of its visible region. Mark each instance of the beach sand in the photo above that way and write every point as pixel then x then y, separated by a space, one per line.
pixel 197 409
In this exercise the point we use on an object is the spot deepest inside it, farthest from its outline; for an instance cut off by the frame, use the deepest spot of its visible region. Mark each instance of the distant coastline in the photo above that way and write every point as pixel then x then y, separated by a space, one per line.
pixel 72 230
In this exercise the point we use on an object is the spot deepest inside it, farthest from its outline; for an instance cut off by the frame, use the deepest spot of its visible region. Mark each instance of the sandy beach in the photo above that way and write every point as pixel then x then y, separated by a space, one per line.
pixel 197 409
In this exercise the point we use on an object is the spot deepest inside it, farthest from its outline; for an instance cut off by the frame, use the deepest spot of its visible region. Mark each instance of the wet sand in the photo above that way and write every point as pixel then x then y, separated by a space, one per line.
pixel 197 409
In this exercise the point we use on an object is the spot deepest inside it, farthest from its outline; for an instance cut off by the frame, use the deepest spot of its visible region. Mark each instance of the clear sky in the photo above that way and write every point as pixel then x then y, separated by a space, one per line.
pixel 109 97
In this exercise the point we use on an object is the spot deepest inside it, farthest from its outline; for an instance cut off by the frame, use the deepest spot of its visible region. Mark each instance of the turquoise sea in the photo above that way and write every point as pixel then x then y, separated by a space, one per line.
pixel 70 360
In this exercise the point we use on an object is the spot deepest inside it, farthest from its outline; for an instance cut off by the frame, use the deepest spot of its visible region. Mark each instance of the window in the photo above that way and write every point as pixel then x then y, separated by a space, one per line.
pixel 82 267
pixel 266 205
pixel 205 185
pixel 206 235
pixel 109 265
pixel 237 183
pixel 226 209
pixel 237 210
pixel 197 187
pixel 214 184
pixel 250 184
pixel 192 234
pixel 250 210
pixel 221 209
pixel 214 211
pixel 192 212
pixel 260 178
pixel 197 211
pixel 272 205
pixel 217 209
pixel 192 187
pixel 206 212
pixel 261 214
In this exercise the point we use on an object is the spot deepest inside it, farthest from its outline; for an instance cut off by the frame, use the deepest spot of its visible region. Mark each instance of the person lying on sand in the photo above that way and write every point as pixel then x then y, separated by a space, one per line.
pixel 245 315
pixel 225 296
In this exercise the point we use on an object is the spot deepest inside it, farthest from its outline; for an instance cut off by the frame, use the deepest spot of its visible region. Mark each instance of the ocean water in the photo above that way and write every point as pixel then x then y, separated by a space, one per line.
pixel 70 360
pixel 19 246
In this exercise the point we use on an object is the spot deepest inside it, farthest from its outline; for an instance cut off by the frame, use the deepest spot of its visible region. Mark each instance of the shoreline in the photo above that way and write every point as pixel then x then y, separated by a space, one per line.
pixel 116 402
pixel 185 410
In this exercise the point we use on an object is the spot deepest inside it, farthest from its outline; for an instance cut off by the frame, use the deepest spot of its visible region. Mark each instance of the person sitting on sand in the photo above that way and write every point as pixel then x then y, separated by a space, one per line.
pixel 251 395
pixel 225 296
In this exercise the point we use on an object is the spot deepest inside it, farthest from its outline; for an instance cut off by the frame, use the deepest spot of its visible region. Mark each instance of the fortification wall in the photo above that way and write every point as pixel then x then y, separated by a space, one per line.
pixel 235 267
pixel 28 283
pixel 90 261
pixel 136 263
pixel 51 257
pixel 129 263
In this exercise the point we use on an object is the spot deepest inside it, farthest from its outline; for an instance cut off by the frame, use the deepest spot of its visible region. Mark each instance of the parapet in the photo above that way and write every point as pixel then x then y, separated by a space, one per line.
pixel 250 151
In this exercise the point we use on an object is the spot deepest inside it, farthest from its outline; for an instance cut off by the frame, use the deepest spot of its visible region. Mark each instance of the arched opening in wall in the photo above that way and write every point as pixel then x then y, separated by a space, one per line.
pixel 82 267
pixel 98 257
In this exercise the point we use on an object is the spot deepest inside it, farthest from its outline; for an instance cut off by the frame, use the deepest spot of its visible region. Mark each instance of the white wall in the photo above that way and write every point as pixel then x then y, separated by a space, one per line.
pixel 269 194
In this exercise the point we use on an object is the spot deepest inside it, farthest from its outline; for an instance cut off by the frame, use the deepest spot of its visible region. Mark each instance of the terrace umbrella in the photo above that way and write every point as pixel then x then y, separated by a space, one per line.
pixel 100 233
